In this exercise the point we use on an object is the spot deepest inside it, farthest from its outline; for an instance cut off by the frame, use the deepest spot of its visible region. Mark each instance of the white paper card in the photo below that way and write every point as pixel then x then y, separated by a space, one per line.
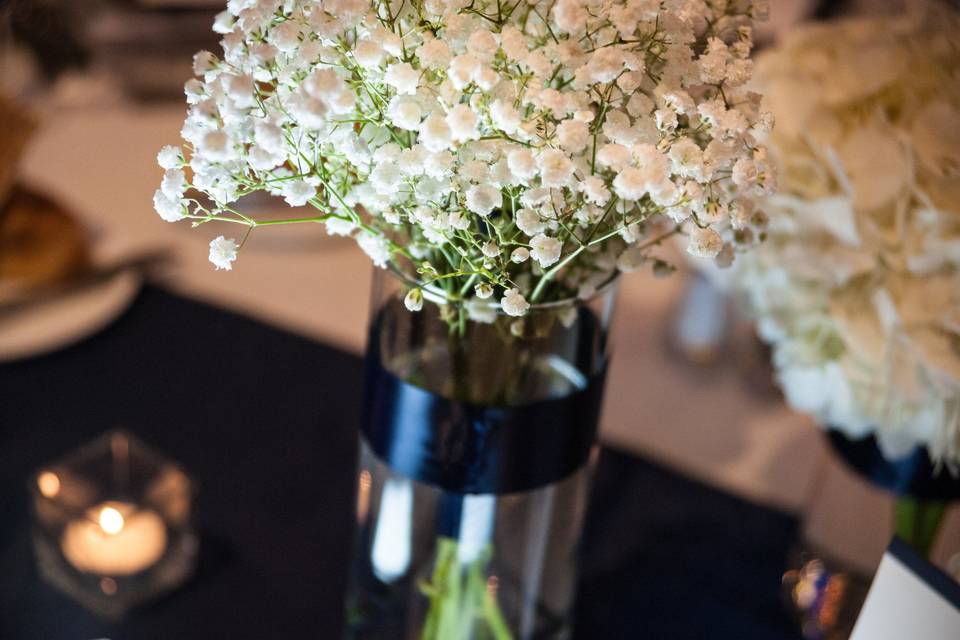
pixel 909 598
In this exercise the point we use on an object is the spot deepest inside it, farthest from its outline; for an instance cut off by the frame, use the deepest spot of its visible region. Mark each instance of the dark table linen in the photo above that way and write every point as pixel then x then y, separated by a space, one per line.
pixel 266 422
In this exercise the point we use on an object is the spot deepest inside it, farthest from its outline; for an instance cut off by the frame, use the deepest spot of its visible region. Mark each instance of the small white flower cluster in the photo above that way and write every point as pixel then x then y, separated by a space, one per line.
pixel 528 148
pixel 858 285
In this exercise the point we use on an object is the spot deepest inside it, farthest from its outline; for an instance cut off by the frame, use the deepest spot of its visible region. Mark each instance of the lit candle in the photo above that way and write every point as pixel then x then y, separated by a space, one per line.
pixel 115 539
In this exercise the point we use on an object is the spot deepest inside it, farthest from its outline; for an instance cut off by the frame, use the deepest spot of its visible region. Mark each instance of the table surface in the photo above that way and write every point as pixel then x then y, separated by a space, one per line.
pixel 266 421
pixel 99 160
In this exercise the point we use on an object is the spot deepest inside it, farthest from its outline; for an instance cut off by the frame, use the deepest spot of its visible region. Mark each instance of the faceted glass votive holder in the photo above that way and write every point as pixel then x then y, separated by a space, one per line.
pixel 111 524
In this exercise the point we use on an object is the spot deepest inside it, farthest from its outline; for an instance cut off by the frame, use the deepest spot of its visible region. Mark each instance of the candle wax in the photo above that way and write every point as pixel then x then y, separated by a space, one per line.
pixel 115 540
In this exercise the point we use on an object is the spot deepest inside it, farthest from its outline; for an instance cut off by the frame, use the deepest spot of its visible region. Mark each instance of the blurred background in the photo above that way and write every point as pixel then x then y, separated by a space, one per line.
pixel 90 90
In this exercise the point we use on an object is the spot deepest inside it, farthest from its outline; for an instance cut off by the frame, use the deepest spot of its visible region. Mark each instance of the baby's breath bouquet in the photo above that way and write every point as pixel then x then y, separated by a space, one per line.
pixel 505 159
pixel 507 150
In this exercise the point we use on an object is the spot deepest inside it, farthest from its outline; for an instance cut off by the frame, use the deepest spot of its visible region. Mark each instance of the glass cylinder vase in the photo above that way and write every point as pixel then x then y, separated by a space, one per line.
pixel 475 449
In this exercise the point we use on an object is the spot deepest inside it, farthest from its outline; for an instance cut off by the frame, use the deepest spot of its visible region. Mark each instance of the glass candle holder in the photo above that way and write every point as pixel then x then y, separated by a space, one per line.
pixel 111 524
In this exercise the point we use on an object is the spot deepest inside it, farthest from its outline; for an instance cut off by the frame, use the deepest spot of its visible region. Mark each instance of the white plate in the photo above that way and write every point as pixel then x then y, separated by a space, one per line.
pixel 55 323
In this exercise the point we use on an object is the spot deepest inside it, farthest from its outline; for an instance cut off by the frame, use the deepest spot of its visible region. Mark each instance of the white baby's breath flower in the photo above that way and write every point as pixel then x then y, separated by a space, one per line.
pixel 434 53
pixel 405 113
pixel 298 192
pixel 490 249
pixel 483 290
pixel 462 121
pixel 482 200
pixel 505 116
pixel 513 303
pixel 413 301
pixel 545 250
pixel 522 163
pixel 630 184
pixel 594 189
pixel 174 184
pixel 376 247
pixel 369 54
pixel 435 133
pixel 459 131
pixel 215 146
pixel 223 252
pixel 403 78
pixel 704 243
pixel 204 63
pixel 614 156
pixel 170 209
pixel 556 168
pixel 463 70
pixel 223 22
pixel 529 222
pixel 573 135
pixel 170 157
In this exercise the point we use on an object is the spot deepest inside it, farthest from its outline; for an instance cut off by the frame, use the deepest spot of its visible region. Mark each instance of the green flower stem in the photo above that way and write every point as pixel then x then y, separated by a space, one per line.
pixel 553 271
pixel 917 521
pixel 323 218
pixel 460 603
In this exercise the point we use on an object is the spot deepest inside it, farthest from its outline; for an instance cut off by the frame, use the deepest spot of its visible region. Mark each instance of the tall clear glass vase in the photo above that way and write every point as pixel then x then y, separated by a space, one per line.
pixel 472 485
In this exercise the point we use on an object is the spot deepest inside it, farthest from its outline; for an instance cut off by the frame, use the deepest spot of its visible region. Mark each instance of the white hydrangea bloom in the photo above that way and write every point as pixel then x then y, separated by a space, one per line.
pixel 858 303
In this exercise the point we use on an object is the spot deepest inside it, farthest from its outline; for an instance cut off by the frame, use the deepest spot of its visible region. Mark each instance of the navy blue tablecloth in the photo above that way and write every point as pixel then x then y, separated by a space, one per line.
pixel 265 421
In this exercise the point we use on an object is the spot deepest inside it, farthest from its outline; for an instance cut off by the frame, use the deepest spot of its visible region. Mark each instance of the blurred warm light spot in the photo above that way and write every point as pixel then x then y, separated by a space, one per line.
pixel 120 446
pixel 108 586
pixel 49 484
pixel 492 583
pixel 111 520
pixel 363 495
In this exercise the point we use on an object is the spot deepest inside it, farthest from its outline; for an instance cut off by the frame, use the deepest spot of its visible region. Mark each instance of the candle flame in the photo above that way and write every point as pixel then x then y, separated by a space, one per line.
pixel 49 484
pixel 111 520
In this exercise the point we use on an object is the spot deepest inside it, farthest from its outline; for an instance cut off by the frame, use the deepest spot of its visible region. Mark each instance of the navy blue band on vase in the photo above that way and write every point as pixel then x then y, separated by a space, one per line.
pixel 467 448
pixel 913 475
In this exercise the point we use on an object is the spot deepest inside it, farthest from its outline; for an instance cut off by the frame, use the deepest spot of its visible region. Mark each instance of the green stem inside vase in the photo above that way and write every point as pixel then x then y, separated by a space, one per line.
pixel 917 521
pixel 462 607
